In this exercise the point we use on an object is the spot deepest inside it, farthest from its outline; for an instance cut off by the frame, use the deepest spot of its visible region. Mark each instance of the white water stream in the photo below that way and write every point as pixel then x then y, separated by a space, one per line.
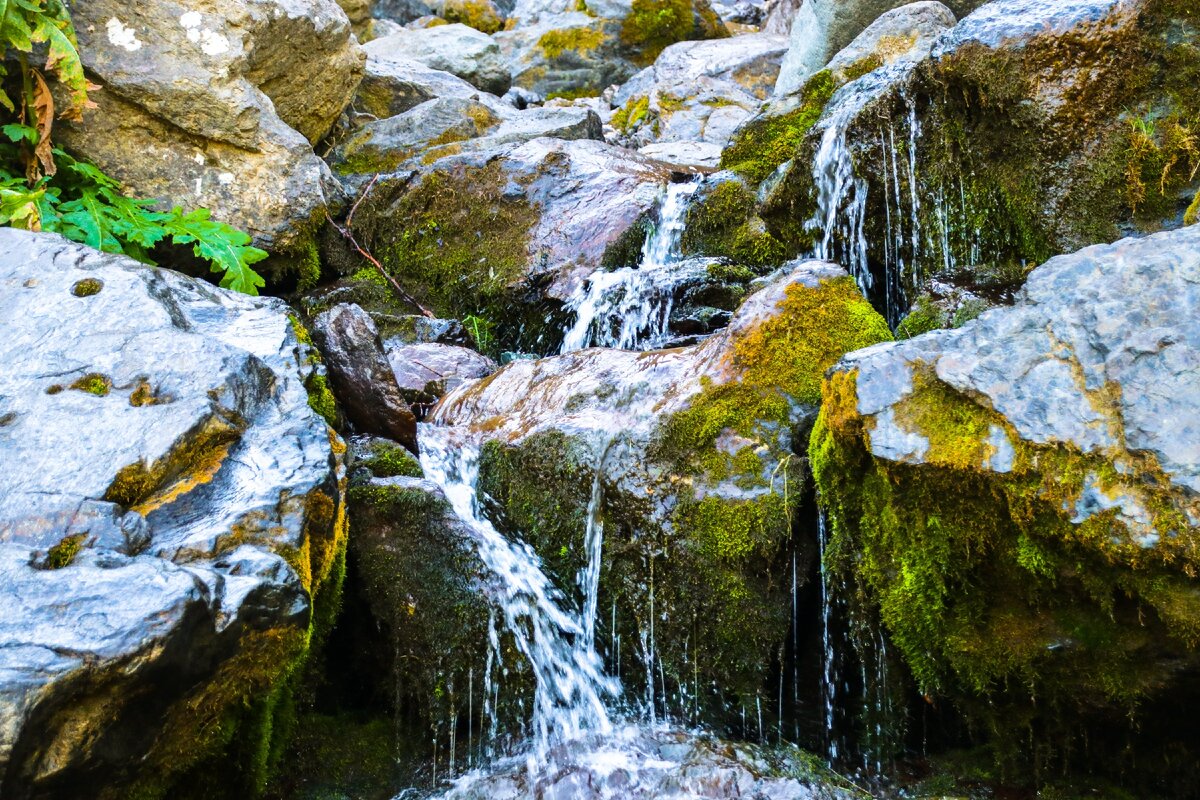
pixel 630 308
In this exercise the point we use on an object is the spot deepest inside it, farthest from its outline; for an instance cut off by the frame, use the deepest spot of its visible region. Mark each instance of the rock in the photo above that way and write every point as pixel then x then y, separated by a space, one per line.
pixel 426 371
pixel 377 29
pixel 698 91
pixel 692 447
pixel 1022 135
pixel 361 377
pixel 1023 474
pixel 457 49
pixel 448 126
pixel 472 233
pixel 906 33
pixel 424 585
pixel 401 11
pixel 704 155
pixel 217 133
pixel 820 28
pixel 173 535
pixel 393 84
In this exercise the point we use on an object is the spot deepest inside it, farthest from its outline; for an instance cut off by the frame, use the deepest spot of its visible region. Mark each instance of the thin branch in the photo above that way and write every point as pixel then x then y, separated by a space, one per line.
pixel 349 237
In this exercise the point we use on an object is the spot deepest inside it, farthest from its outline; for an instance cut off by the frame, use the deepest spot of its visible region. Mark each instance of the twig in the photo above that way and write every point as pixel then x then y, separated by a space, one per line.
pixel 349 237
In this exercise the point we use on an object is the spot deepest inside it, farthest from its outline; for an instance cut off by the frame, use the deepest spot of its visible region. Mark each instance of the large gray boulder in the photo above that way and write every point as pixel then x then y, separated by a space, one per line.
pixel 394 83
pixel 425 371
pixel 692 453
pixel 217 106
pixel 820 28
pixel 457 49
pixel 171 531
pixel 1029 470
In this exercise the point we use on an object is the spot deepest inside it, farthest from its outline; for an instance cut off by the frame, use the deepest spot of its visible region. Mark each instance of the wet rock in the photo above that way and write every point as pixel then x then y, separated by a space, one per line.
pixel 173 533
pixel 401 11
pixel 750 61
pixel 457 49
pixel 360 375
pixel 985 120
pixel 1056 445
pixel 702 155
pixel 906 33
pixel 250 88
pixel 394 83
pixel 694 450
pixel 469 233
pixel 427 371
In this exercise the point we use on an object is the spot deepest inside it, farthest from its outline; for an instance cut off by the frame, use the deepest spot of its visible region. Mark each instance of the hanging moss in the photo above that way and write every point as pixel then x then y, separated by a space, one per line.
pixel 1025 620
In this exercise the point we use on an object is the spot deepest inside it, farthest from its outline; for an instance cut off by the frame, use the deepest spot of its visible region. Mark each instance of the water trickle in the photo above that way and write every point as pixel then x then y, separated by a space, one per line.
pixel 571 687
pixel 630 308
pixel 828 685
pixel 841 200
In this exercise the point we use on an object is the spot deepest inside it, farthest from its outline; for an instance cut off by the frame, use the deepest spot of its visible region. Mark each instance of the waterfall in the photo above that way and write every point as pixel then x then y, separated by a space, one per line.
pixel 572 689
pixel 841 200
pixel 630 307
pixel 828 654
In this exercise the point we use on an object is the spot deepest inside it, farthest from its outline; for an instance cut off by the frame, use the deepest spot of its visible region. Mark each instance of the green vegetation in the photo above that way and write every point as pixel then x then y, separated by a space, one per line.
pixel 998 600
pixel 767 142
pixel 633 113
pixel 387 459
pixel 44 188
pixel 93 383
pixel 478 14
pixel 554 43
pixel 724 223
pixel 62 554
pixel 652 25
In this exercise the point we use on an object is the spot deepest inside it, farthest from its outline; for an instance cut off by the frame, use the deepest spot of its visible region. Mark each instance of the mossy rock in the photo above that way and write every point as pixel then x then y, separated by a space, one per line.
pixel 652 25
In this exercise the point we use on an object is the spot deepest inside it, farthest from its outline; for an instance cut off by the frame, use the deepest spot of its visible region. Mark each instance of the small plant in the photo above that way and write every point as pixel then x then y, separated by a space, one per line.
pixel 481 331
pixel 42 188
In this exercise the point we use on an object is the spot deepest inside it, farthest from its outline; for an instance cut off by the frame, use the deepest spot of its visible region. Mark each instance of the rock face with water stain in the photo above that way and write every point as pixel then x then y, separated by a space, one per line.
pixel 1031 129
pixel 697 452
pixel 171 525
pixel 1016 502
pixel 216 105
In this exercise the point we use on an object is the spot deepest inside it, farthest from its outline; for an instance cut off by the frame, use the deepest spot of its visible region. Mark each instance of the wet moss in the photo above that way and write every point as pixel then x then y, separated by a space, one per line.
pixel 763 144
pixel 321 399
pixel 724 223
pixel 1027 621
pixel 386 459
pixel 192 462
pixel 1192 215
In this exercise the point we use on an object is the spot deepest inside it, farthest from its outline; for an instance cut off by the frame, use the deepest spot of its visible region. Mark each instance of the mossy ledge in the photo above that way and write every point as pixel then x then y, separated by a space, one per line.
pixel 1043 632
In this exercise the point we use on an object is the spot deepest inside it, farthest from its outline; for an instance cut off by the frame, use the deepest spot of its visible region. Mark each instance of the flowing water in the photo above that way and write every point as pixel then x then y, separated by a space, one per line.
pixel 630 308
pixel 572 690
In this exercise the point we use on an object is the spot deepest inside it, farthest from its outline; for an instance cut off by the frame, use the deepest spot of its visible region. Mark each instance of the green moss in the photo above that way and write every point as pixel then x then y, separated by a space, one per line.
pixel 62 554
pixel 630 115
pixel 87 287
pixel 478 14
pixel 465 239
pixel 924 317
pixel 761 146
pixel 93 383
pixel 554 43
pixel 1025 620
pixel 652 25
pixel 321 399
pixel 1192 215
pixel 723 223
pixel 387 460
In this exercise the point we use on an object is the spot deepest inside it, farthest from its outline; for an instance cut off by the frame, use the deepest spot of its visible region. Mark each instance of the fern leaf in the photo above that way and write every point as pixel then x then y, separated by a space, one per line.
pixel 227 249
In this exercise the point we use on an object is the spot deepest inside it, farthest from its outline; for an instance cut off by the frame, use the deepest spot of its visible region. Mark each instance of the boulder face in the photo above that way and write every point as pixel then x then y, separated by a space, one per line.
pixel 1016 502
pixel 173 538
pixel 217 108
pixel 694 454
pixel 1030 130
pixel 457 49
pixel 477 233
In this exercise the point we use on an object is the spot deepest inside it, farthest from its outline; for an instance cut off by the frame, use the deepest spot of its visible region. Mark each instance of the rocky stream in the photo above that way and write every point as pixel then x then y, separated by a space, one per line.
pixel 771 399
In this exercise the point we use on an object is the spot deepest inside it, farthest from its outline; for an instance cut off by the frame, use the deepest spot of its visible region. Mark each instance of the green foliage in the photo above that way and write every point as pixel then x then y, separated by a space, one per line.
pixel 44 188
pixel 62 554
pixel 481 330
pixel 723 223
pixel 652 25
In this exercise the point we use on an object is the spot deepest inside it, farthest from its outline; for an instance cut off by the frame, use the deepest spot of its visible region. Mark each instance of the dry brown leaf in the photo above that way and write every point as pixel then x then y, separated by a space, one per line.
pixel 43 110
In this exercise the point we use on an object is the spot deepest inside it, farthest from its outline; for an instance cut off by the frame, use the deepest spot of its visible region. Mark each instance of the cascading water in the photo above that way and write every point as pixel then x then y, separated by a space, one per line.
pixel 572 689
pixel 630 308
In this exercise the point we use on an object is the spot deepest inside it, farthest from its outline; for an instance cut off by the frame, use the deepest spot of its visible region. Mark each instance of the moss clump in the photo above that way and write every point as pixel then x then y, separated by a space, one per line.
pixel 1192 215
pixel 321 399
pixel 554 43
pixel 723 223
pixel 767 142
pixel 1029 622
pixel 652 25
pixel 87 287
pixel 93 383
pixel 386 459
pixel 1163 157
pixel 632 114
pixel 924 317
pixel 458 240
pixel 478 14
pixel 62 554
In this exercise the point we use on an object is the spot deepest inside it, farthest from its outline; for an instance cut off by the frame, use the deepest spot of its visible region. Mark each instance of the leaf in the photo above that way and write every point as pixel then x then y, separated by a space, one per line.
pixel 54 27
pixel 16 132
pixel 227 249
pixel 43 110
